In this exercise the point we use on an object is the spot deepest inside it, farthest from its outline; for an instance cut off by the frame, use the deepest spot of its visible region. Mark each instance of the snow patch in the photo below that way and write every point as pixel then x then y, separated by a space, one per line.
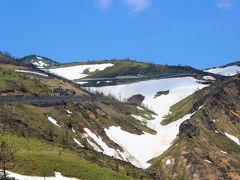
pixel 106 150
pixel 73 130
pixel 53 121
pixel 58 176
pixel 94 146
pixel 107 81
pixel 168 162
pixel 69 112
pixel 208 161
pixel 139 118
pixel 39 58
pixel 233 138
pixel 139 108
pixel 224 152
pixel 78 142
pixel 31 72
pixel 225 71
pixel 146 115
pixel 209 78
pixel 39 64
pixel 81 82
pixel 76 72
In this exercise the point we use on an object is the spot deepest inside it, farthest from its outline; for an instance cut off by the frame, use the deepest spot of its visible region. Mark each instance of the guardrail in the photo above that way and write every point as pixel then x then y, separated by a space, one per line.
pixel 45 99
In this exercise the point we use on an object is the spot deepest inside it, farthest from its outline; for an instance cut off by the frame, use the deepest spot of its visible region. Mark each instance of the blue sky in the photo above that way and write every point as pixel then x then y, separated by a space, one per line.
pixel 200 33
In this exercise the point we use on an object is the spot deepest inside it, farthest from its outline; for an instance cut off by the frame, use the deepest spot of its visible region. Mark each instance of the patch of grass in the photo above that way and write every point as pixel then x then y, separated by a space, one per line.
pixel 179 110
pixel 13 81
pixel 158 164
pixel 37 158
pixel 119 114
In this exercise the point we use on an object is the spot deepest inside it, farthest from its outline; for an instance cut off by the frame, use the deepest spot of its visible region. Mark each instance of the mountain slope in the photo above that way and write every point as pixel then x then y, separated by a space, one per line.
pixel 112 72
pixel 175 122
pixel 203 147
pixel 39 61
pixel 226 70
pixel 178 89
pixel 64 128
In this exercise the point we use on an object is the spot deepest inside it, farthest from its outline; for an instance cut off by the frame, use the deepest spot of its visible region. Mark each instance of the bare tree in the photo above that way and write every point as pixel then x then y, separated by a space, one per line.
pixel 7 154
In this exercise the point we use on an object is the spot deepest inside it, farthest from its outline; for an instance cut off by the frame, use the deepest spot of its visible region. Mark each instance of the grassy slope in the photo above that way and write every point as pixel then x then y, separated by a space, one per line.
pixel 179 110
pixel 11 80
pixel 129 67
pixel 38 158
pixel 27 121
pixel 185 106
pixel 26 84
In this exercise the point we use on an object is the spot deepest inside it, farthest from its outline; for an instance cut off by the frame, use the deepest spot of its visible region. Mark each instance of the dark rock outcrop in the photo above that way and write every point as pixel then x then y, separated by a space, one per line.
pixel 136 99
pixel 196 106
pixel 188 129
pixel 159 93
pixel 208 123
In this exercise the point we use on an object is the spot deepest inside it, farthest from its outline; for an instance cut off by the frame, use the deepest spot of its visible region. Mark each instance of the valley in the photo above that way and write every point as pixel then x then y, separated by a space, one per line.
pixel 120 119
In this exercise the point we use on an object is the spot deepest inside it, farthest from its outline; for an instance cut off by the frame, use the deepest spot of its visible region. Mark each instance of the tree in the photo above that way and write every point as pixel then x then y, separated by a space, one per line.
pixel 7 154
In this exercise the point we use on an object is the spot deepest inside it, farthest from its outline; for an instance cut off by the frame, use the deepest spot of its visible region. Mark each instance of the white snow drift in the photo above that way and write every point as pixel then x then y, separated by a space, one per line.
pixel 58 176
pixel 233 138
pixel 225 71
pixel 143 148
pixel 106 150
pixel 31 72
pixel 76 72
pixel 209 78
pixel 53 121
pixel 39 64
pixel 78 142
pixel 139 118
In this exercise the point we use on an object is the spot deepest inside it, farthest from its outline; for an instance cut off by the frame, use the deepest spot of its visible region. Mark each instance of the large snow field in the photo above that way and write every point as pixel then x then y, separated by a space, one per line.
pixel 58 176
pixel 226 71
pixel 147 146
pixel 179 88
pixel 76 72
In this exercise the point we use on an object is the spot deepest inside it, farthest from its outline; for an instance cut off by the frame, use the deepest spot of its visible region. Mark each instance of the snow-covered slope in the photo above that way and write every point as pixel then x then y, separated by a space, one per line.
pixel 39 61
pixel 77 72
pixel 147 146
pixel 225 71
